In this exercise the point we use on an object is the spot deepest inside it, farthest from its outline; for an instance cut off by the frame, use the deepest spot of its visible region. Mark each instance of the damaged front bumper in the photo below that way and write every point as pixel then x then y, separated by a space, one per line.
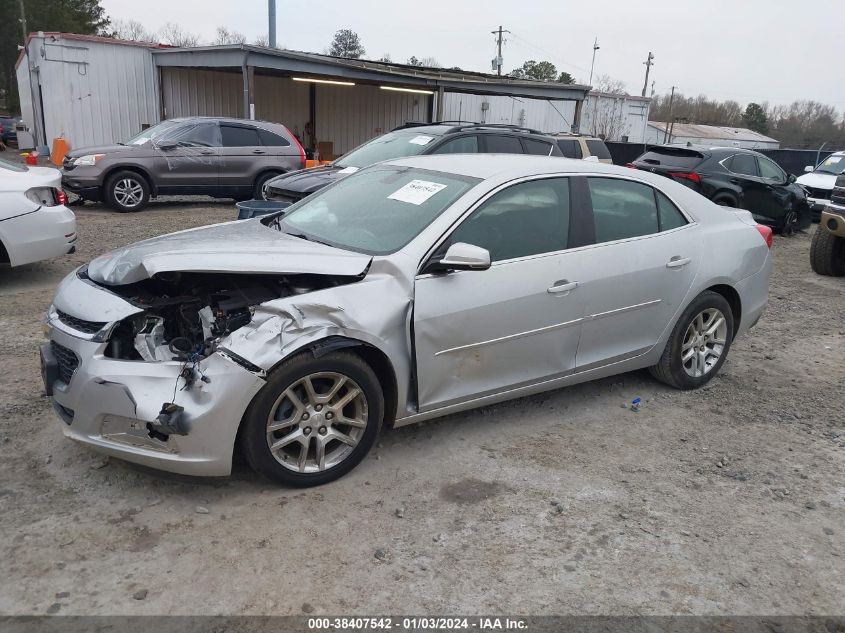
pixel 110 405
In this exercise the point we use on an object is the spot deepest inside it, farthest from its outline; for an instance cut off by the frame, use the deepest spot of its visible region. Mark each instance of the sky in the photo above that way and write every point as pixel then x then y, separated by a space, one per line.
pixel 746 50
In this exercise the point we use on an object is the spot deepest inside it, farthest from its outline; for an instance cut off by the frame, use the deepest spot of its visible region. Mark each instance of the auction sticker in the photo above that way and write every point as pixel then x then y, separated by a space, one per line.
pixel 348 170
pixel 421 140
pixel 416 191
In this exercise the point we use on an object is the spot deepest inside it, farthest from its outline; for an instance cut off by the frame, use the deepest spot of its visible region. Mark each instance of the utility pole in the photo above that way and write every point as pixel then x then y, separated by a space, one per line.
pixel 271 17
pixel 666 129
pixel 652 88
pixel 23 21
pixel 595 48
pixel 648 63
pixel 498 59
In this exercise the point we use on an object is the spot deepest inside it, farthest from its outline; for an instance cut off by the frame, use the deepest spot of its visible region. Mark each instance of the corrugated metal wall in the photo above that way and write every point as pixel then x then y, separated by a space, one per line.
pixel 94 93
pixel 539 114
pixel 195 92
pixel 615 117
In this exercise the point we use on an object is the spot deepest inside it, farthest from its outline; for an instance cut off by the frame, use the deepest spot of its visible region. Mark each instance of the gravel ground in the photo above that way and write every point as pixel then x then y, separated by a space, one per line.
pixel 727 500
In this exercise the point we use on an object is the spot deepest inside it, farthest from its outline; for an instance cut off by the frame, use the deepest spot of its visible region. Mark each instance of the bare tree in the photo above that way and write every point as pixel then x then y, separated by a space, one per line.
pixel 225 36
pixel 427 62
pixel 261 40
pixel 173 34
pixel 133 31
pixel 606 83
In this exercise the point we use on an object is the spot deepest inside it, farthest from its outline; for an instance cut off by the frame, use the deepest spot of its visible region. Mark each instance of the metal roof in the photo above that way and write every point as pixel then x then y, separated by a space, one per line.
pixel 314 65
pixel 692 130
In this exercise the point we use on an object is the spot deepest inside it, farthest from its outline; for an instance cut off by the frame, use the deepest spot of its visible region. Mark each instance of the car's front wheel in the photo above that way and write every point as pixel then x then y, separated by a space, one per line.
pixel 314 420
pixel 699 343
pixel 258 189
pixel 127 191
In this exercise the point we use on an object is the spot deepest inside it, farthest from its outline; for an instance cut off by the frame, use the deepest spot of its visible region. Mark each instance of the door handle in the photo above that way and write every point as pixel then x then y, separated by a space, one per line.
pixel 207 152
pixel 561 286
pixel 258 151
pixel 678 262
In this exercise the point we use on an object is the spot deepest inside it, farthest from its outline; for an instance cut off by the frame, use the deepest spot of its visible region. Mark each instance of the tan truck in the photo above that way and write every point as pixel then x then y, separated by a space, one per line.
pixel 827 251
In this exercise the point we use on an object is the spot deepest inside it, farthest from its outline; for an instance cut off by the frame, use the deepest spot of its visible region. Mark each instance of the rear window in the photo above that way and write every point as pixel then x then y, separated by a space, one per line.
pixel 671 157
pixel 570 147
pixel 269 139
pixel 538 148
pixel 4 164
pixel 598 149
pixel 502 144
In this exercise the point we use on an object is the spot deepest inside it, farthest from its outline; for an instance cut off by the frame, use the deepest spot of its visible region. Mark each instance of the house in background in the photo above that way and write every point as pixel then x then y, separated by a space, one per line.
pixel 712 135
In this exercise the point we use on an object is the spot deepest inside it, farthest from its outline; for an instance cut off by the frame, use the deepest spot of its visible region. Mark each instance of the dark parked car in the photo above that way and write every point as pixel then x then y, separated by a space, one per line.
pixel 8 133
pixel 224 158
pixel 445 137
pixel 734 177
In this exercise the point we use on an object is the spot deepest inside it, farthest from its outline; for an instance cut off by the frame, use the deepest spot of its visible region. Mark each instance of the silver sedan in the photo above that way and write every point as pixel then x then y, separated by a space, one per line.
pixel 410 290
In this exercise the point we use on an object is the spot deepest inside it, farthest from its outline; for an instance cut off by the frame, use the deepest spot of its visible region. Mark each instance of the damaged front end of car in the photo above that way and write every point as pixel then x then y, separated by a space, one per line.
pixel 157 366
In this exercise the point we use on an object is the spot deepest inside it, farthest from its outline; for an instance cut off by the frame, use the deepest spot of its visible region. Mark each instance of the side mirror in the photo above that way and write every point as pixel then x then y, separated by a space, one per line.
pixel 166 145
pixel 791 178
pixel 808 169
pixel 462 256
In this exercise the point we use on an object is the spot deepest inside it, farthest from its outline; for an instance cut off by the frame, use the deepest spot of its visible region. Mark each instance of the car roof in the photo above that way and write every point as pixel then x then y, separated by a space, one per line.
pixel 516 165
pixel 224 119
pixel 453 127
pixel 565 135
pixel 705 149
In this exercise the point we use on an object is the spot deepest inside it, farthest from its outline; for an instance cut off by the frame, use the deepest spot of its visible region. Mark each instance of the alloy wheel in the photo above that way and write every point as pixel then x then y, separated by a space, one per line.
pixel 704 342
pixel 128 192
pixel 316 422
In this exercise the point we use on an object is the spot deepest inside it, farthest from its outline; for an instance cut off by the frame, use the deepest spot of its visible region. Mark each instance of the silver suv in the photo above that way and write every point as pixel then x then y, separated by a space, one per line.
pixel 224 158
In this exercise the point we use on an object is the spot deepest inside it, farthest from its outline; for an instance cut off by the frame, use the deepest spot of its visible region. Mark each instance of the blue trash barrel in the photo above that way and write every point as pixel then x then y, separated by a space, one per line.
pixel 254 208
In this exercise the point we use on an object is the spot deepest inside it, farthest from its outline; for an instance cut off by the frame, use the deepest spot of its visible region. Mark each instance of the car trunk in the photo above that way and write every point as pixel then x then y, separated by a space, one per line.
pixel 677 163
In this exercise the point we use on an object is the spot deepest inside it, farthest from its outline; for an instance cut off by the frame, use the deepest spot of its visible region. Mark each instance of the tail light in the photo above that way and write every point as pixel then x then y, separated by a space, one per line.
pixel 61 196
pixel 631 166
pixel 301 151
pixel 766 233
pixel 687 175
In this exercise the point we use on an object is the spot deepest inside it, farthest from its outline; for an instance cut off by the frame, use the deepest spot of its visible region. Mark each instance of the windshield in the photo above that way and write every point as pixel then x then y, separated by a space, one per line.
pixel 4 164
pixel 377 211
pixel 832 165
pixel 386 147
pixel 145 136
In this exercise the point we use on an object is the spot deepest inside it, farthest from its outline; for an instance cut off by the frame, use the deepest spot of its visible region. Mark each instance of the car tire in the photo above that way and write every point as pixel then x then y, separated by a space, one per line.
pixel 827 253
pixel 305 422
pixel 258 189
pixel 690 336
pixel 127 192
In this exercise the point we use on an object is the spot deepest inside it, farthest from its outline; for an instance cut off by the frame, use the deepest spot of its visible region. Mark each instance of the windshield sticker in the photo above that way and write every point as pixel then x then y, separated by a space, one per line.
pixel 832 160
pixel 416 191
pixel 348 170
pixel 421 140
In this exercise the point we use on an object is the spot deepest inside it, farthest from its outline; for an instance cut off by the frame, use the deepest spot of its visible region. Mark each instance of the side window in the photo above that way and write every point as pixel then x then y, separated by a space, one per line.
pixel 770 171
pixel 526 219
pixel 598 149
pixel 670 217
pixel 270 139
pixel 622 209
pixel 570 147
pixel 743 164
pixel 237 136
pixel 195 135
pixel 460 145
pixel 538 148
pixel 502 144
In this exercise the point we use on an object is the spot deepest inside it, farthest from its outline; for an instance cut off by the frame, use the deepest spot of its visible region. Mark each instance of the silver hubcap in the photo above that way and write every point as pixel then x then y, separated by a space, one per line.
pixel 704 342
pixel 128 192
pixel 317 422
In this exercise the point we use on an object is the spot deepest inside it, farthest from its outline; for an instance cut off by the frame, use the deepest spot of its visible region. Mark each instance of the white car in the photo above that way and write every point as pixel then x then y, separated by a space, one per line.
pixel 819 181
pixel 35 224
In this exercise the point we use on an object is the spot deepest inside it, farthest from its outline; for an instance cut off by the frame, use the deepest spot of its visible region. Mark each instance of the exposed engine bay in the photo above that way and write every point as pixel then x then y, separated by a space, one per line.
pixel 186 314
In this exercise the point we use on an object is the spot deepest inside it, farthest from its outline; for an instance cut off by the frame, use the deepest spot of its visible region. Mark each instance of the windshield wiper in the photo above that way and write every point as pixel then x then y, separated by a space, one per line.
pixel 302 236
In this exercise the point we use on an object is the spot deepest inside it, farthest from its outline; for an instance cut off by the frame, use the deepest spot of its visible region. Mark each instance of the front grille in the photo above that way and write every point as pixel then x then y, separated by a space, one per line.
pixel 819 194
pixel 80 325
pixel 68 361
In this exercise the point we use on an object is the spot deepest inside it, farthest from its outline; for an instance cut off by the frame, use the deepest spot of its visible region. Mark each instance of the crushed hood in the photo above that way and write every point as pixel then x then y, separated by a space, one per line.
pixel 817 180
pixel 234 247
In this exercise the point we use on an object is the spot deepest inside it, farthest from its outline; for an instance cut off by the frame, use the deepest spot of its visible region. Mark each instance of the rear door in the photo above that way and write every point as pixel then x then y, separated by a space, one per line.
pixel 756 194
pixel 193 165
pixel 280 152
pixel 501 144
pixel 479 332
pixel 776 194
pixel 464 144
pixel 241 157
pixel 634 278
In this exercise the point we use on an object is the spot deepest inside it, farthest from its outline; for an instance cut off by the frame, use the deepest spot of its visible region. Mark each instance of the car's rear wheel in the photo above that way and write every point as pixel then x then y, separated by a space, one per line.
pixel 315 419
pixel 127 191
pixel 699 343
pixel 827 253
pixel 258 190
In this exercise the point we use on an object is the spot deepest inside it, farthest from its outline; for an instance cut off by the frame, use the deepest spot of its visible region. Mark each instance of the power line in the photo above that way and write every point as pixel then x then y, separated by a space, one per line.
pixel 552 56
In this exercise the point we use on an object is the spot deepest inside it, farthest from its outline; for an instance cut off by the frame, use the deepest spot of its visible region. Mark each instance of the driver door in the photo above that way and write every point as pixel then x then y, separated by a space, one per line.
pixel 516 323
pixel 192 161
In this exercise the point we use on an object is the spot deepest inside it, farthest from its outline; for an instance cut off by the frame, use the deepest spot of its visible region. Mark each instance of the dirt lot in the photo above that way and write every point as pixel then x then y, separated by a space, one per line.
pixel 727 500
